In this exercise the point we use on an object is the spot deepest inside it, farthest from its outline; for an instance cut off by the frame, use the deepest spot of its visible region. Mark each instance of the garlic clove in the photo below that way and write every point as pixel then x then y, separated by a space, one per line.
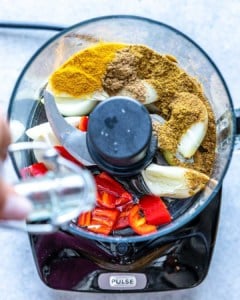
pixel 193 137
pixel 174 182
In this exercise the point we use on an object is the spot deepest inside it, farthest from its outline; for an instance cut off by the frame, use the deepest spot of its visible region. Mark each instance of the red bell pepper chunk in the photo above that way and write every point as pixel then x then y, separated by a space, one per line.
pixel 106 183
pixel 103 220
pixel 99 228
pixel 83 123
pixel 124 199
pixel 138 222
pixel 99 220
pixel 123 219
pixel 37 169
pixel 155 210
pixel 105 216
pixel 106 200
pixel 84 219
pixel 64 153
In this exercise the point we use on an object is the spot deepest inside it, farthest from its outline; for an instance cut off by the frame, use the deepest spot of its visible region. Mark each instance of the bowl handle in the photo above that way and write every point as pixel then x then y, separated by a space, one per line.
pixel 237 138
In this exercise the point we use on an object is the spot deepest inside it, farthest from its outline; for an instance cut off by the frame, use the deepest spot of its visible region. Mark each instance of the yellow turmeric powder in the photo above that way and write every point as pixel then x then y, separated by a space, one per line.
pixel 81 75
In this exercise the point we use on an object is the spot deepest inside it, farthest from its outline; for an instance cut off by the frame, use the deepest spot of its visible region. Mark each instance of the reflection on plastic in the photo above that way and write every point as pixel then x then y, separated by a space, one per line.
pixel 58 196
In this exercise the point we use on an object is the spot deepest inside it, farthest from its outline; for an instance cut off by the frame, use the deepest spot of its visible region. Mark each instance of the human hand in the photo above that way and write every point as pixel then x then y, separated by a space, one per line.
pixel 12 206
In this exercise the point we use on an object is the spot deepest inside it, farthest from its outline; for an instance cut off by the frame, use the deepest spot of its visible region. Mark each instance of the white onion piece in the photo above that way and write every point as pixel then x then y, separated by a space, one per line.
pixel 74 107
pixel 172 181
pixel 43 132
pixel 192 138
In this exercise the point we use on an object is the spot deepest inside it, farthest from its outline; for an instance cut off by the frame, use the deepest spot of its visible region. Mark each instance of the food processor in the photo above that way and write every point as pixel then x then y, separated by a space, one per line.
pixel 178 255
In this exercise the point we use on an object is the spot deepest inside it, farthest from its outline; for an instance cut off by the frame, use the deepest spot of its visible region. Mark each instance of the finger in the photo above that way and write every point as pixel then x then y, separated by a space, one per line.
pixel 12 206
pixel 5 137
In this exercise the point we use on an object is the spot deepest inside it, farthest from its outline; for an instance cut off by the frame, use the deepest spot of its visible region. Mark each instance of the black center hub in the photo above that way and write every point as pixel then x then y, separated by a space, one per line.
pixel 119 136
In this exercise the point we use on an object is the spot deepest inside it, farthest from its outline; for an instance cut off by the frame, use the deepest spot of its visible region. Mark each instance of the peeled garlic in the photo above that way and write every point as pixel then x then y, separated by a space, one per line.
pixel 174 182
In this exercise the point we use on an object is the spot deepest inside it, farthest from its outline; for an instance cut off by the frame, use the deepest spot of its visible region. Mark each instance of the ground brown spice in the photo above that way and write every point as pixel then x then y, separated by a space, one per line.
pixel 120 72
pixel 136 90
pixel 203 159
pixel 196 182
pixel 165 75
pixel 140 62
pixel 186 109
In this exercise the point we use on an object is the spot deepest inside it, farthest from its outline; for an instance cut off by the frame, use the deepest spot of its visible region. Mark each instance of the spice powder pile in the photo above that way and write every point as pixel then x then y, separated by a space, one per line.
pixel 173 84
pixel 81 75
pixel 113 67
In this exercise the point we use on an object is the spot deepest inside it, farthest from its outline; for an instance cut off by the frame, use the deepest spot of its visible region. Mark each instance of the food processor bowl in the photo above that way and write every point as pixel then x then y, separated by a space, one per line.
pixel 26 110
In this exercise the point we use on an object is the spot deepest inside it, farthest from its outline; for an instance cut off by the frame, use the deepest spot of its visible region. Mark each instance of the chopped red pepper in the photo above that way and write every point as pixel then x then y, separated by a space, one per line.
pixel 105 199
pixel 155 210
pixel 99 228
pixel 124 199
pixel 37 169
pixel 115 210
pixel 64 153
pixel 83 123
pixel 138 222
pixel 105 183
pixel 105 216
pixel 84 219
pixel 123 219
pixel 103 220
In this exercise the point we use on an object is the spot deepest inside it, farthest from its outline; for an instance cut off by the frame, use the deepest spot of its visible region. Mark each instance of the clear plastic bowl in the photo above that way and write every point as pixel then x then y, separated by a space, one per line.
pixel 25 108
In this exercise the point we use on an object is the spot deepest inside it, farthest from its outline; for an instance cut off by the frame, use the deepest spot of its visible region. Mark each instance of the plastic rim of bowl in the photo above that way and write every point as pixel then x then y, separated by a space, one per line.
pixel 186 217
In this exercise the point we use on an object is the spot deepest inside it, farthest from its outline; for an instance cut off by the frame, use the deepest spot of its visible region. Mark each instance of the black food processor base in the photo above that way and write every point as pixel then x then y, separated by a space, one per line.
pixel 177 261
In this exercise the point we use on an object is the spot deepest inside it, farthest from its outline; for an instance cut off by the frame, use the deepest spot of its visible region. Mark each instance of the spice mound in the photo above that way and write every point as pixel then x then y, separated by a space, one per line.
pixel 82 73
pixel 187 138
